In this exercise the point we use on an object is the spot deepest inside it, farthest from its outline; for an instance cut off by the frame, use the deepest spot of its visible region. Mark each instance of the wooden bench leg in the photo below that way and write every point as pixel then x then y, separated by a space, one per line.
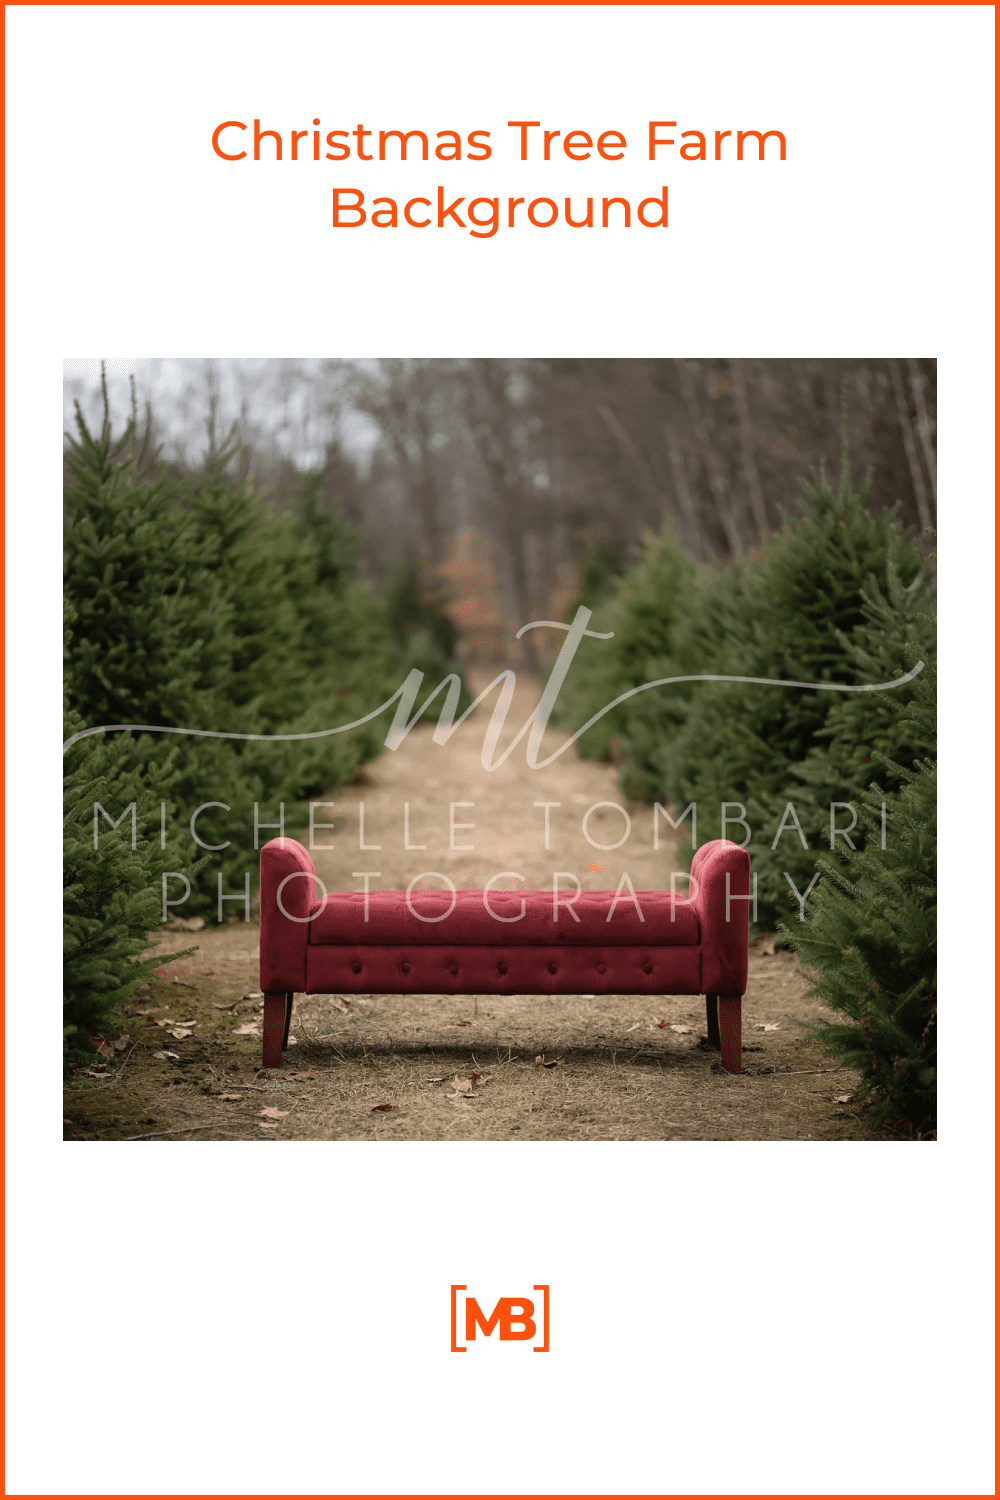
pixel 288 1020
pixel 731 1032
pixel 712 1012
pixel 277 1018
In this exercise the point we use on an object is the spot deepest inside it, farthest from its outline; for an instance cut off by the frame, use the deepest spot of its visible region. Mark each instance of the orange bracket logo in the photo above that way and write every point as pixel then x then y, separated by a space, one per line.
pixel 513 1316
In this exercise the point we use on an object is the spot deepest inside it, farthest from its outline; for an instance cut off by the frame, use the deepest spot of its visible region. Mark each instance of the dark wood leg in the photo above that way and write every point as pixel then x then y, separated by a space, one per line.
pixel 712 1011
pixel 731 1032
pixel 276 1010
pixel 288 1019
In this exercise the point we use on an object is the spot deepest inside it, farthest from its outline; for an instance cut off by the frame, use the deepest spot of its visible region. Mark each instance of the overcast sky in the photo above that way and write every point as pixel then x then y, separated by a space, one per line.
pixel 292 406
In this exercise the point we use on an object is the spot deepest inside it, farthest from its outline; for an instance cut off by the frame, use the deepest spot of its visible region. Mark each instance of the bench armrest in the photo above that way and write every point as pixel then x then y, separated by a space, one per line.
pixel 285 867
pixel 724 943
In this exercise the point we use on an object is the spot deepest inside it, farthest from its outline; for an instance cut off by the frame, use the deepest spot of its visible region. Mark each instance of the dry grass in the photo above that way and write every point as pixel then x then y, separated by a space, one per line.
pixel 618 1074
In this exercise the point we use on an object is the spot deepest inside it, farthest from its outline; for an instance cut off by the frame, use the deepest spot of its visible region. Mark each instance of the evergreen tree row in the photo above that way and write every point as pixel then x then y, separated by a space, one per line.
pixel 837 596
pixel 189 604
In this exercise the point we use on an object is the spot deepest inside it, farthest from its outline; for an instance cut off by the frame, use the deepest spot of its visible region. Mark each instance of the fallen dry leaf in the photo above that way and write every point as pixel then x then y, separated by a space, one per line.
pixel 339 1002
pixel 224 1004
pixel 542 1063
pixel 122 1043
pixel 467 1083
pixel 254 995
pixel 100 1070
pixel 270 1113
pixel 180 1032
pixel 679 1026
pixel 164 1055
pixel 102 1046
pixel 249 1029
pixel 301 1077
pixel 765 1026
pixel 377 1107
pixel 231 1098
pixel 632 1027
pixel 843 1099
pixel 184 983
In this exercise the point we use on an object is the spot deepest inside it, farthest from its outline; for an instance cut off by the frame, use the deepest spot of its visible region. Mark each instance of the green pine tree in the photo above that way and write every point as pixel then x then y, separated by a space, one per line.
pixel 863 732
pixel 794 616
pixel 111 891
pixel 191 605
pixel 644 612
pixel 870 946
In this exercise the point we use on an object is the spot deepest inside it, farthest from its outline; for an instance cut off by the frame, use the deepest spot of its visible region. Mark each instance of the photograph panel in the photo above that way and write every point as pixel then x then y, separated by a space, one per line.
pixel 498 749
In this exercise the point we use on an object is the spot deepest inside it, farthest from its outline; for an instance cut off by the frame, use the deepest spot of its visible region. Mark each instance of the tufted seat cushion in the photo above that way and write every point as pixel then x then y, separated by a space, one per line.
pixel 482 970
pixel 505 942
pixel 601 922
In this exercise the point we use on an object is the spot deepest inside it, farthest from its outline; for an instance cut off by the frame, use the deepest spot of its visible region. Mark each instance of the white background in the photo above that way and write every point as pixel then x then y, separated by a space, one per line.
pixel 726 1318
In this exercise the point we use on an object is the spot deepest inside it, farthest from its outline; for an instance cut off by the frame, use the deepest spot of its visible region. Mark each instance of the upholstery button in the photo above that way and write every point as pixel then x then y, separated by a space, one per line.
pixel 356 968
pixel 602 968
pixel 405 967
pixel 553 968
pixel 501 968
pixel 453 968
pixel 647 967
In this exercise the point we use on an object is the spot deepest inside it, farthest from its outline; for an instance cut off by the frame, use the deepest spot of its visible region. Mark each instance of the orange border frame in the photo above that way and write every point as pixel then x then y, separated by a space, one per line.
pixel 664 5
pixel 492 4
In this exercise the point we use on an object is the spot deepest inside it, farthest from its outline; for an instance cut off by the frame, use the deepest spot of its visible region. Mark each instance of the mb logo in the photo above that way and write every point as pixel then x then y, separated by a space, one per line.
pixel 513 1318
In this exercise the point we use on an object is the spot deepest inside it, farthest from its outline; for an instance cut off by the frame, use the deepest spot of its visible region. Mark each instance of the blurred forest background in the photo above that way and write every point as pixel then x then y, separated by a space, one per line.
pixel 509 483
pixel 269 547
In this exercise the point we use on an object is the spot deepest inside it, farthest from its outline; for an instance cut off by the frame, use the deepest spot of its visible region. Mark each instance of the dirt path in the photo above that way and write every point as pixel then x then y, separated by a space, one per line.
pixel 431 1067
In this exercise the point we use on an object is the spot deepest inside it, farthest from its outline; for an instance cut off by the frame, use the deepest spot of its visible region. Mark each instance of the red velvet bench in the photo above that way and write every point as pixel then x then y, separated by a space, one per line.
pixel 440 942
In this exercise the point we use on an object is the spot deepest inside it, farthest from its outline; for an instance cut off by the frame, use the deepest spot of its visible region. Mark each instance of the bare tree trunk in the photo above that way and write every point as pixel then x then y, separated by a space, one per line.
pixel 654 494
pixel 405 418
pixel 910 446
pixel 917 381
pixel 514 539
pixel 685 499
pixel 493 442
pixel 757 505
pixel 710 458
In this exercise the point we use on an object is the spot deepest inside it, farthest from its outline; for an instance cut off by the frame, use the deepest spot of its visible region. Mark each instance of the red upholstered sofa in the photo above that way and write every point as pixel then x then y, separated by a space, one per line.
pixel 505 942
